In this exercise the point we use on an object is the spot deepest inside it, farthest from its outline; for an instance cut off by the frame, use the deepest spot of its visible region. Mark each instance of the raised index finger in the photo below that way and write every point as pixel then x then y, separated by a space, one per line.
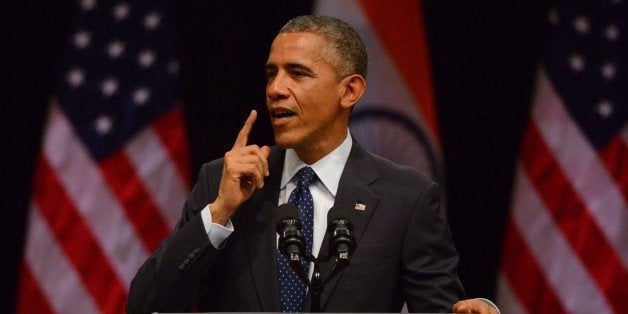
pixel 243 135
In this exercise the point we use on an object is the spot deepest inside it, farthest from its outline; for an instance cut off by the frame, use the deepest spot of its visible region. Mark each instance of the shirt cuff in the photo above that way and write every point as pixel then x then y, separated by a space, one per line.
pixel 217 233
pixel 489 302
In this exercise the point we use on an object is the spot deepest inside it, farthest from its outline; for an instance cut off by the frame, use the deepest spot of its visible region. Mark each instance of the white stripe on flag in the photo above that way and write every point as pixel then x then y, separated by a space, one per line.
pixel 580 163
pixel 563 270
pixel 387 90
pixel 386 87
pixel 509 302
pixel 158 173
pixel 94 199
pixel 59 281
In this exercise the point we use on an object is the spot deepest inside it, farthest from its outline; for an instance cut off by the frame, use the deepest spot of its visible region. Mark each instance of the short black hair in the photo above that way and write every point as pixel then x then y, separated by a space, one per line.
pixel 351 56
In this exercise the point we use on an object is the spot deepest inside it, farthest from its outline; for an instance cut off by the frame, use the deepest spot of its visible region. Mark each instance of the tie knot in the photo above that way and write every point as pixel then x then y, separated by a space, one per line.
pixel 306 177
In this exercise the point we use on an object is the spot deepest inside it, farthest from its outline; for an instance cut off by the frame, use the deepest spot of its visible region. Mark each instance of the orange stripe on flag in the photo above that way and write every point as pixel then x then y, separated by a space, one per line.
pixel 406 40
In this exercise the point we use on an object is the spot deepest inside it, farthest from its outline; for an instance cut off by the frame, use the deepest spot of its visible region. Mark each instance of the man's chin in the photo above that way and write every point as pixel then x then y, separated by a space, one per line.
pixel 284 141
pixel 283 144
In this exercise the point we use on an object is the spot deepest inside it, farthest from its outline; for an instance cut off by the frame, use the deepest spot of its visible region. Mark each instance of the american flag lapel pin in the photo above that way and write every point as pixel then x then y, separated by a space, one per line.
pixel 360 206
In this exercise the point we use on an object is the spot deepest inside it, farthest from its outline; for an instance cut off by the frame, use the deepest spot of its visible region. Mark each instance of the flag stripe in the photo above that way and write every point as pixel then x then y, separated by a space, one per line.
pixel 572 216
pixel 524 274
pixel 382 113
pixel 172 132
pixel 563 268
pixel 406 41
pixel 510 304
pixel 613 157
pixel 587 176
pixel 33 300
pixel 93 198
pixel 158 173
pixel 59 281
pixel 136 201
pixel 77 240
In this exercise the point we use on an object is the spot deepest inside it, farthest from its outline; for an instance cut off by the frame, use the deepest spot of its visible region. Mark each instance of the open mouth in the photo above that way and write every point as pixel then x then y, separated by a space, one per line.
pixel 278 114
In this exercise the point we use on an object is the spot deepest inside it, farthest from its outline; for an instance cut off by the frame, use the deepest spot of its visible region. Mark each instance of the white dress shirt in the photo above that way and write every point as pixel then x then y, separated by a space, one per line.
pixel 328 170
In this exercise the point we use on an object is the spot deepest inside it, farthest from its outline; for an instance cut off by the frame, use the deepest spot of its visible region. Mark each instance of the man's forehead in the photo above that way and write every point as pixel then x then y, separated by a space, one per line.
pixel 298 41
pixel 300 35
pixel 299 48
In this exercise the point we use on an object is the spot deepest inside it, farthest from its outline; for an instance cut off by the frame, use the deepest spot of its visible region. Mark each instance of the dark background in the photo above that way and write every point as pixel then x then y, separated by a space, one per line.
pixel 483 53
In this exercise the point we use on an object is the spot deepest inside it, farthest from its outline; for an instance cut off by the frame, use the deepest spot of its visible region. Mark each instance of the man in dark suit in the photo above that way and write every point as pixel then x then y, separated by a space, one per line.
pixel 223 255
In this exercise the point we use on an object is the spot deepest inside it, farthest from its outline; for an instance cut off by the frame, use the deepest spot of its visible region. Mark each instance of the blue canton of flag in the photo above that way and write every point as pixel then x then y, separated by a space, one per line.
pixel 119 72
pixel 586 58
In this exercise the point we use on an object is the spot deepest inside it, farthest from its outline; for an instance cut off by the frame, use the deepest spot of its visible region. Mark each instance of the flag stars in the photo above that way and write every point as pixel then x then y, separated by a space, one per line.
pixel 115 49
pixel 577 63
pixel 87 5
pixel 140 96
pixel 109 86
pixel 605 109
pixel 152 20
pixel 121 11
pixel 146 58
pixel 103 124
pixel 611 32
pixel 608 71
pixel 582 25
pixel 81 39
pixel 75 77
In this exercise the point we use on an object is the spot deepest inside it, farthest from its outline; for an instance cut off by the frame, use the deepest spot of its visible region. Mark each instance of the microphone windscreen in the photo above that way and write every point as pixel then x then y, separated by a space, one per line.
pixel 338 212
pixel 286 211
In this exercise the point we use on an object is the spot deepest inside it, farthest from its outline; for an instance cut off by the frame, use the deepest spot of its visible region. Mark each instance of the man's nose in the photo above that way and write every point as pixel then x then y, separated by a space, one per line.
pixel 277 87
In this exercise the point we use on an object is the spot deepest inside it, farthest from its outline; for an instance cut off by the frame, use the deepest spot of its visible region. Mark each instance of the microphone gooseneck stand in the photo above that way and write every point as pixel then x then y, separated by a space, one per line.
pixel 292 245
pixel 316 284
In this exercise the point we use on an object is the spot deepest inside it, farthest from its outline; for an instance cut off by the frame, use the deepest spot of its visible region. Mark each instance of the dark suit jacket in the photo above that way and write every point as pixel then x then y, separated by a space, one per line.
pixel 404 250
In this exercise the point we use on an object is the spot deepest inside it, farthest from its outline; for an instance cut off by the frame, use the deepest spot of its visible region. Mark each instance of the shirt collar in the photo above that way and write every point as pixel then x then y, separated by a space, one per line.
pixel 328 169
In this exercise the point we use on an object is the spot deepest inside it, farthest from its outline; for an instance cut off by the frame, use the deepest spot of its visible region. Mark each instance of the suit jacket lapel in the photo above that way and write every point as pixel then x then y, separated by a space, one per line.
pixel 353 189
pixel 260 236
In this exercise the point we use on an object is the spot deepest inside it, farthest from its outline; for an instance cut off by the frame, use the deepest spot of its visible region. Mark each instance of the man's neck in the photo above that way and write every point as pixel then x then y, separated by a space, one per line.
pixel 328 168
pixel 312 153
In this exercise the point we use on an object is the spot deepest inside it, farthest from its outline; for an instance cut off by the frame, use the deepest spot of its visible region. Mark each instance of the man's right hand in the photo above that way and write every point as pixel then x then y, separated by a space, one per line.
pixel 244 169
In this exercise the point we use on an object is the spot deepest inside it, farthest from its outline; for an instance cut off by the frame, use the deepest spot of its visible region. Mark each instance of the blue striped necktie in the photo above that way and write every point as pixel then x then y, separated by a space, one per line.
pixel 292 289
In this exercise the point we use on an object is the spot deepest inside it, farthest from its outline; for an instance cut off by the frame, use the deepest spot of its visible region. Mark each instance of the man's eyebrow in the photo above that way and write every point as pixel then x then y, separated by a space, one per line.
pixel 299 66
pixel 290 66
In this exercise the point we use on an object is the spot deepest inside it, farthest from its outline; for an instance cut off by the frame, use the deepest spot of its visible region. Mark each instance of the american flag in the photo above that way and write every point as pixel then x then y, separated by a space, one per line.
pixel 113 170
pixel 566 246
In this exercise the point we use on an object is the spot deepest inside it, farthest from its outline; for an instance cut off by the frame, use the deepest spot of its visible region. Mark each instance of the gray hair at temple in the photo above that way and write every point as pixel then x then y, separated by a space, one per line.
pixel 351 56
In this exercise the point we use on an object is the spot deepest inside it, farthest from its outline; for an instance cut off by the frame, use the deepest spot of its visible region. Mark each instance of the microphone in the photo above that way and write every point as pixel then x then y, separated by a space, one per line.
pixel 340 229
pixel 288 226
pixel 291 241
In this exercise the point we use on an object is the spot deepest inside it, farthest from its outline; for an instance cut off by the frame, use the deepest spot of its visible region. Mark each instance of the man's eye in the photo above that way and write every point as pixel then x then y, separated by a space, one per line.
pixel 270 75
pixel 298 74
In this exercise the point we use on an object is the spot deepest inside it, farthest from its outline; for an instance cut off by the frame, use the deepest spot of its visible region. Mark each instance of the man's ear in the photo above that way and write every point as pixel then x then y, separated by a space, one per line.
pixel 354 87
